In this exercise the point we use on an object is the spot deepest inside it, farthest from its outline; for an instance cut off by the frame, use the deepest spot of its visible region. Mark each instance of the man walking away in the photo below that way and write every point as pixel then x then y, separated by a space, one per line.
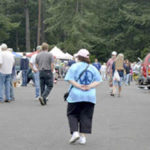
pixel 35 73
pixel 24 66
pixel 6 64
pixel 44 62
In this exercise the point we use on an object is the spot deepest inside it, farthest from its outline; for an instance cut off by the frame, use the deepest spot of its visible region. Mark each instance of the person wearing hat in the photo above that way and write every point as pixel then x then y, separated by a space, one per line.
pixel 35 73
pixel 6 64
pixel 84 78
pixel 109 69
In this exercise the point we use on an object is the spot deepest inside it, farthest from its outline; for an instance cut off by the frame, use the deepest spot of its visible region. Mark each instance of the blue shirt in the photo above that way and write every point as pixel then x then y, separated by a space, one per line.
pixel 97 65
pixel 71 62
pixel 90 75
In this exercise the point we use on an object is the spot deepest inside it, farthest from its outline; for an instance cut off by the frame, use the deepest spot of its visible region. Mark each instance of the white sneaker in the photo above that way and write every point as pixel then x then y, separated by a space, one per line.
pixel 74 138
pixel 37 98
pixel 82 140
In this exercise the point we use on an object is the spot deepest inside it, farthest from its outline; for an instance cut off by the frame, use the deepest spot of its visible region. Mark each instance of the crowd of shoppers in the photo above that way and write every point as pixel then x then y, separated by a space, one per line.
pixel 82 75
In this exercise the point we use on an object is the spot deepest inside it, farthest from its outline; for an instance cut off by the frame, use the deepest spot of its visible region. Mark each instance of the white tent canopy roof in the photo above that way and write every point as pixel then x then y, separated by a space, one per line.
pixel 68 56
pixel 57 53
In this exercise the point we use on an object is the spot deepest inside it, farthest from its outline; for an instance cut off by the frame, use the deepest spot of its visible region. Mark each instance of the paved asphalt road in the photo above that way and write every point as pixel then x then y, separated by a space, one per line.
pixel 119 123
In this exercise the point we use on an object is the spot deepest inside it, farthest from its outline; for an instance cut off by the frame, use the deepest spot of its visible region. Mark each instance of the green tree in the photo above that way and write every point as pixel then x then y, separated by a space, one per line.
pixel 7 24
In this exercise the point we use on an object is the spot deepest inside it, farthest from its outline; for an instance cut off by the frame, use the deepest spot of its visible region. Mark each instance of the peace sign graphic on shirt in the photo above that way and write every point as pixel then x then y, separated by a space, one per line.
pixel 86 78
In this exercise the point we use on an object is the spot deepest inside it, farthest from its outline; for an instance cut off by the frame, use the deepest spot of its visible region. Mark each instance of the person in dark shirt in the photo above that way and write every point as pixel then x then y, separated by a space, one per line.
pixel 97 65
pixel 71 62
pixel 24 66
pixel 127 70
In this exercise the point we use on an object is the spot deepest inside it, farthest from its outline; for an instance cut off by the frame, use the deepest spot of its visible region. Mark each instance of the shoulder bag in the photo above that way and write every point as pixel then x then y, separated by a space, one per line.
pixel 67 93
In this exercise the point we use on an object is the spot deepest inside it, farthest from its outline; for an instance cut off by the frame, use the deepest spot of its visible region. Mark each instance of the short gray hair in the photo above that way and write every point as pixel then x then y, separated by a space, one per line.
pixel 4 46
pixel 38 48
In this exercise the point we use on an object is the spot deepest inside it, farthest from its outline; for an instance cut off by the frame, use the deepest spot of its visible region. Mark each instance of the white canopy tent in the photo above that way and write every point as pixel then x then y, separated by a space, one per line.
pixel 56 52
pixel 68 56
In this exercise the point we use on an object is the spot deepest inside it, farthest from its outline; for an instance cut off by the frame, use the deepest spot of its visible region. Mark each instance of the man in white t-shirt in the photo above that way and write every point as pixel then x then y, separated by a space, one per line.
pixel 6 64
pixel 35 73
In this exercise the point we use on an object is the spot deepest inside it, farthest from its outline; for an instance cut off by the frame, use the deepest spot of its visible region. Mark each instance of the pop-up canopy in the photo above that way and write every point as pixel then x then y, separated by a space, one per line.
pixel 68 56
pixel 16 55
pixel 31 54
pixel 56 52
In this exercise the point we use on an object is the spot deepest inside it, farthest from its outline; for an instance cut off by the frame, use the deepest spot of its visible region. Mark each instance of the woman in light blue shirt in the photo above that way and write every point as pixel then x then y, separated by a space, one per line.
pixel 82 97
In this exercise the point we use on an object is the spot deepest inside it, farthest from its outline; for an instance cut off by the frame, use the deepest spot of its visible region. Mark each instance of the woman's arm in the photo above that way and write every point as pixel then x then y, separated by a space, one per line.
pixel 77 85
pixel 92 85
pixel 84 87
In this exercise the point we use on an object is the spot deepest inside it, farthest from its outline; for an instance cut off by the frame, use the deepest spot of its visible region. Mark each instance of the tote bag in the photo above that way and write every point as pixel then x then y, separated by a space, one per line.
pixel 116 76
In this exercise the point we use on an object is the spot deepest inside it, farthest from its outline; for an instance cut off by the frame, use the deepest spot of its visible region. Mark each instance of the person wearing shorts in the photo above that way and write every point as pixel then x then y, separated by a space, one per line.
pixel 118 66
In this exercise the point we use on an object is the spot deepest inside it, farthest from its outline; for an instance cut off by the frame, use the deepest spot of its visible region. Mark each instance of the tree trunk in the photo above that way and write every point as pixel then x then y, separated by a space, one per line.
pixel 42 21
pixel 27 26
pixel 81 7
pixel 17 46
pixel 77 6
pixel 39 24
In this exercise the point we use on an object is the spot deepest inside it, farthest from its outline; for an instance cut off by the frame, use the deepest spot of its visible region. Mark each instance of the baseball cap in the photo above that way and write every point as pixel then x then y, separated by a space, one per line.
pixel 114 53
pixel 84 53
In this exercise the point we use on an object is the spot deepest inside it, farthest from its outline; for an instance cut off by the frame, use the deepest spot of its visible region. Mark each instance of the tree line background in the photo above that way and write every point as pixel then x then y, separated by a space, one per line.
pixel 101 26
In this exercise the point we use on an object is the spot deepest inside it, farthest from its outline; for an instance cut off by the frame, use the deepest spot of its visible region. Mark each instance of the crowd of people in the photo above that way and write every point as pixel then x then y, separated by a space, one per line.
pixel 82 75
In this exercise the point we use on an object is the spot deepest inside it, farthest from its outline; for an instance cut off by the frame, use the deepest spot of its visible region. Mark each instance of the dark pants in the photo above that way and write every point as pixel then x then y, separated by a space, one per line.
pixel 80 116
pixel 46 83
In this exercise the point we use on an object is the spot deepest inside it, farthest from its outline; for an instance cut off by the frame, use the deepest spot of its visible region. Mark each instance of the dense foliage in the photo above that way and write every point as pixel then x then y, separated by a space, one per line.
pixel 101 26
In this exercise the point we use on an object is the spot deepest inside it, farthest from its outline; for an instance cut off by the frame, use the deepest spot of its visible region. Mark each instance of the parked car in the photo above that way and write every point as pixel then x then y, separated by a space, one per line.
pixel 144 78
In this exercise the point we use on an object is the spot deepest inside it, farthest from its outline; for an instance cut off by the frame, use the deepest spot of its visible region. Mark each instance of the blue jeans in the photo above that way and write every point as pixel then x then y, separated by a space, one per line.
pixel 118 83
pixel 5 80
pixel 24 77
pixel 11 89
pixel 127 79
pixel 37 83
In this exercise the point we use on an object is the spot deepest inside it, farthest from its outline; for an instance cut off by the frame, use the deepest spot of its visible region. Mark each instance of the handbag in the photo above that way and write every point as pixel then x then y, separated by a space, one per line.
pixel 67 93
pixel 116 76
